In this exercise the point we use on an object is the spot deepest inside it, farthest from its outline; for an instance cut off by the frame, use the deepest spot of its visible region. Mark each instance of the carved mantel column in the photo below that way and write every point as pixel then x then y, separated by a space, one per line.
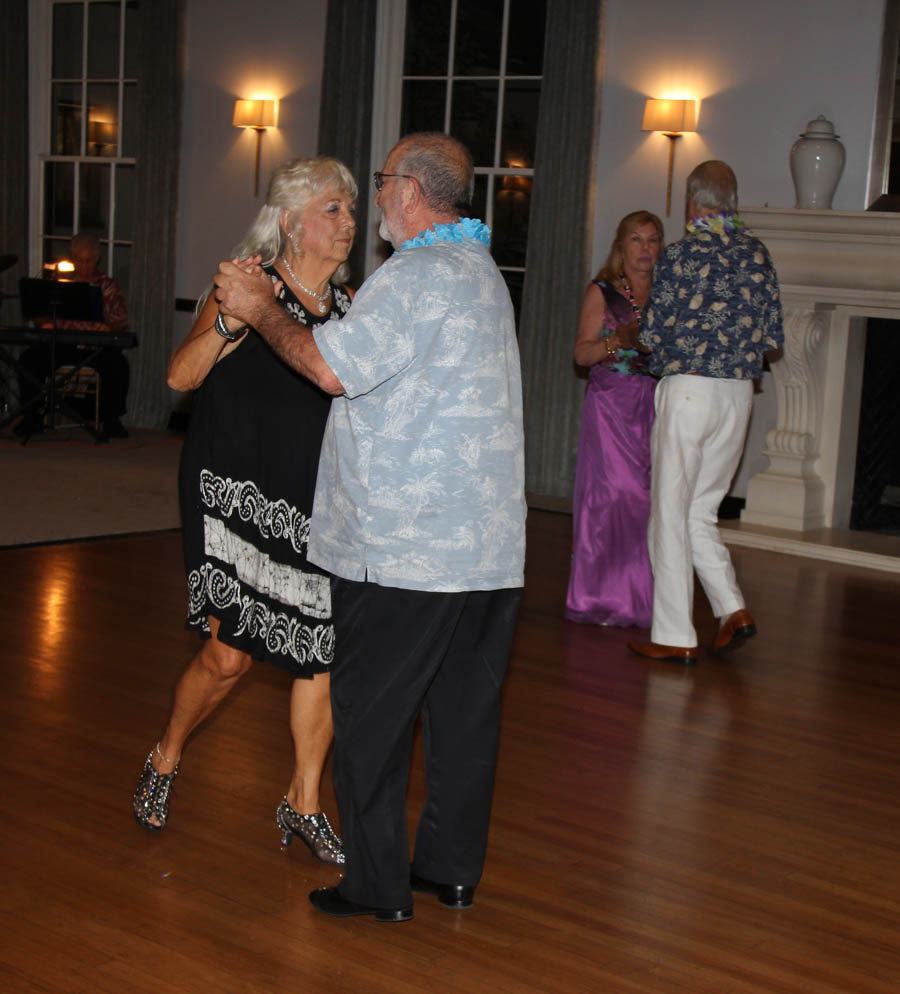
pixel 835 268
pixel 790 492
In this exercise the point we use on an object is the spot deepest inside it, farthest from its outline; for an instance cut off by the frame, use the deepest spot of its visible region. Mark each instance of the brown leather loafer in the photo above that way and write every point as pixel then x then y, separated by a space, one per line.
pixel 735 630
pixel 672 653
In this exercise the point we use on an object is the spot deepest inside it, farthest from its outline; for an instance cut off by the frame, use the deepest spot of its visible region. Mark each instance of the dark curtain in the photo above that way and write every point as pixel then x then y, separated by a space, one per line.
pixel 152 291
pixel 560 242
pixel 13 154
pixel 345 114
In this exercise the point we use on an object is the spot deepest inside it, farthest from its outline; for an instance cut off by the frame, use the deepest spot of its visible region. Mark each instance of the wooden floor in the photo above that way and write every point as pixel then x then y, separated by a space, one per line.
pixel 728 829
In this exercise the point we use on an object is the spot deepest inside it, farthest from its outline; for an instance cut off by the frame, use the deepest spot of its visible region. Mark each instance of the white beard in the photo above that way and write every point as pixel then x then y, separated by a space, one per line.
pixel 385 232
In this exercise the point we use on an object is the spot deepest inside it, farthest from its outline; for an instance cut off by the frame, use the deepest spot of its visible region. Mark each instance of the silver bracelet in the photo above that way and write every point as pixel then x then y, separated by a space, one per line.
pixel 222 329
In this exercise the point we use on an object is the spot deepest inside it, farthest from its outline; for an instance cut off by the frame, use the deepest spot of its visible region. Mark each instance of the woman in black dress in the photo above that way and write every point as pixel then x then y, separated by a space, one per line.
pixel 248 473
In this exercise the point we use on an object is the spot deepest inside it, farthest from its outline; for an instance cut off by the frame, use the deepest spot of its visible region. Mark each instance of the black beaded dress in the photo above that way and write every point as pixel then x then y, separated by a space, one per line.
pixel 246 485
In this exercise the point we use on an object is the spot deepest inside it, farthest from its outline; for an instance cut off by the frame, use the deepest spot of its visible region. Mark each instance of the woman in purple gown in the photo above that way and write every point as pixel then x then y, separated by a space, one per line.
pixel 610 581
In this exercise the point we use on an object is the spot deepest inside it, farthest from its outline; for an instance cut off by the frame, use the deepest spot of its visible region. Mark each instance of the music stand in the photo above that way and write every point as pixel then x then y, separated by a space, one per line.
pixel 59 300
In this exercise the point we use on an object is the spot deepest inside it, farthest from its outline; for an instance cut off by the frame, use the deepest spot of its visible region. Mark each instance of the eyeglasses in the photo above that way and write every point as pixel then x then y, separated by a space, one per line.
pixel 381 177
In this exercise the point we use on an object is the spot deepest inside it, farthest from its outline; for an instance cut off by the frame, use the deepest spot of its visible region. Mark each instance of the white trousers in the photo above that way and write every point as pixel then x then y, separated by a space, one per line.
pixel 696 445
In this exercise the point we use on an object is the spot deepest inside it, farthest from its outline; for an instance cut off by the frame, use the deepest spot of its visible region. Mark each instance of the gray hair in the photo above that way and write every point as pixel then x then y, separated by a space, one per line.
pixel 713 184
pixel 442 165
pixel 293 185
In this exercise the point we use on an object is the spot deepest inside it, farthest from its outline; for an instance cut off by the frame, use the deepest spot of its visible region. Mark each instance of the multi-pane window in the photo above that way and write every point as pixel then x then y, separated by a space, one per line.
pixel 87 179
pixel 472 68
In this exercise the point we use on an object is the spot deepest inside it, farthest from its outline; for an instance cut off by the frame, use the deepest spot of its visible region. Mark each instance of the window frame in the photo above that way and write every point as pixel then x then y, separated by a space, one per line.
pixel 390 43
pixel 885 110
pixel 41 82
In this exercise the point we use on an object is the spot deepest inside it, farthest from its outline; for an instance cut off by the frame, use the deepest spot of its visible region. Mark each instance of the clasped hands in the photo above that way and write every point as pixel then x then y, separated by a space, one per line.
pixel 625 337
pixel 244 291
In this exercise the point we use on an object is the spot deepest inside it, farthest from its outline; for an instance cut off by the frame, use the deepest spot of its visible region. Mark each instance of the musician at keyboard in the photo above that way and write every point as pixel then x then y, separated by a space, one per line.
pixel 110 362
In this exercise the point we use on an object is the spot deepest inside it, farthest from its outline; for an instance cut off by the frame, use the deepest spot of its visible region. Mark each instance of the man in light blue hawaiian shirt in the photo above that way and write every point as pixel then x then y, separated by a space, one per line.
pixel 713 312
pixel 419 515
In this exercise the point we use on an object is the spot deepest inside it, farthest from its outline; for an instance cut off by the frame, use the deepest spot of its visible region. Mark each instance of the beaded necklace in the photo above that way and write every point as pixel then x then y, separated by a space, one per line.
pixel 629 296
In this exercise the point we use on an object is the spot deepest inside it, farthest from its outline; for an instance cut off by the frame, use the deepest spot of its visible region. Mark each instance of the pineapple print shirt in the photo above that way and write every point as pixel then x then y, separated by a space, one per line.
pixel 714 308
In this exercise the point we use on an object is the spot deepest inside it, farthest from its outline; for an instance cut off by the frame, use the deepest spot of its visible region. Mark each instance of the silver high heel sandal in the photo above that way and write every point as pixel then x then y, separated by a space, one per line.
pixel 314 830
pixel 151 796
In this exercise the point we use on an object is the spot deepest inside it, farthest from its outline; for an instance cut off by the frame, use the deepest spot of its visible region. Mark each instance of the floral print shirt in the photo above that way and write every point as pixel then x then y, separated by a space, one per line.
pixel 421 474
pixel 714 308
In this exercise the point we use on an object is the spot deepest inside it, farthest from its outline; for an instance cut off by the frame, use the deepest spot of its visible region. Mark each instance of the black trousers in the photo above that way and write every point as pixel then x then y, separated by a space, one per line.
pixel 110 363
pixel 399 652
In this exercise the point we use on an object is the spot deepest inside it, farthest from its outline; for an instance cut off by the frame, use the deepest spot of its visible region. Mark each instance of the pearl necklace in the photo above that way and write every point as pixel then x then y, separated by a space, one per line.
pixel 320 297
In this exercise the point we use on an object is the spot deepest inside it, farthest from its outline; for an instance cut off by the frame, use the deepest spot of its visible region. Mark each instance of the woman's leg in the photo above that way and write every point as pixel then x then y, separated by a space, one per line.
pixel 312 732
pixel 209 676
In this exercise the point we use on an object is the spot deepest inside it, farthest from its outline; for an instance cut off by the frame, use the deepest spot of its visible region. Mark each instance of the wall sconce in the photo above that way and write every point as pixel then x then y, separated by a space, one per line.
pixel 258 115
pixel 103 134
pixel 512 183
pixel 516 184
pixel 671 117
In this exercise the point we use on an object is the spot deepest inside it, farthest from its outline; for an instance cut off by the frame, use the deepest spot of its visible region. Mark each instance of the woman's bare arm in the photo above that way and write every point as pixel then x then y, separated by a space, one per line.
pixel 593 344
pixel 201 349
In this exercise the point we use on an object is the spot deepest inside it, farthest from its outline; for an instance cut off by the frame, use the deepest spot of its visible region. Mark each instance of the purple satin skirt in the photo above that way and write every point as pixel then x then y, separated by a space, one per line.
pixel 611 582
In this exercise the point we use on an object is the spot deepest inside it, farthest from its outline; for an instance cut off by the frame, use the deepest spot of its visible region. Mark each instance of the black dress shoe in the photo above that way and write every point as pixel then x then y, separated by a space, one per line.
pixel 330 902
pixel 450 895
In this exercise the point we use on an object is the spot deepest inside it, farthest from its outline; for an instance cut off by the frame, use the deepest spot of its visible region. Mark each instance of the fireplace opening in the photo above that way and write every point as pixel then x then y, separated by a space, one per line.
pixel 876 484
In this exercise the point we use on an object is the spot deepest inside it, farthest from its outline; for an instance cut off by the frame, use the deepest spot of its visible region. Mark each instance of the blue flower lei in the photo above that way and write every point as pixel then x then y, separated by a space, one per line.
pixel 466 227
pixel 717 224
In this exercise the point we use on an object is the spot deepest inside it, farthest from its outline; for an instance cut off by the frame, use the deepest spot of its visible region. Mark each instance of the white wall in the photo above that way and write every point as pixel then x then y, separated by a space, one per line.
pixel 761 70
pixel 240 50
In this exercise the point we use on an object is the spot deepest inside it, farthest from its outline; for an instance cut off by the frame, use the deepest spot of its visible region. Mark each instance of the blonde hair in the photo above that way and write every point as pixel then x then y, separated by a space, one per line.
pixel 612 270
pixel 292 186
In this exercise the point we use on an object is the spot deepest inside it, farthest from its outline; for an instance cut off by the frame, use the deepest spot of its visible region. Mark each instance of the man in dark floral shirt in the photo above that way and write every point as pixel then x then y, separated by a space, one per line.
pixel 713 313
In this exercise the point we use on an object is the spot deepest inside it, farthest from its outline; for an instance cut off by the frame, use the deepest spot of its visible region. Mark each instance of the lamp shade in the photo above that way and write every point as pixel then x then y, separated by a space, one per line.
pixel 102 132
pixel 254 114
pixel 670 115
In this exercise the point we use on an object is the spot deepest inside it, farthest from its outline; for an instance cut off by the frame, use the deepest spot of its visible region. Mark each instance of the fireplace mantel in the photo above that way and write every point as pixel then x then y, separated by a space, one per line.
pixel 835 269
pixel 835 256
